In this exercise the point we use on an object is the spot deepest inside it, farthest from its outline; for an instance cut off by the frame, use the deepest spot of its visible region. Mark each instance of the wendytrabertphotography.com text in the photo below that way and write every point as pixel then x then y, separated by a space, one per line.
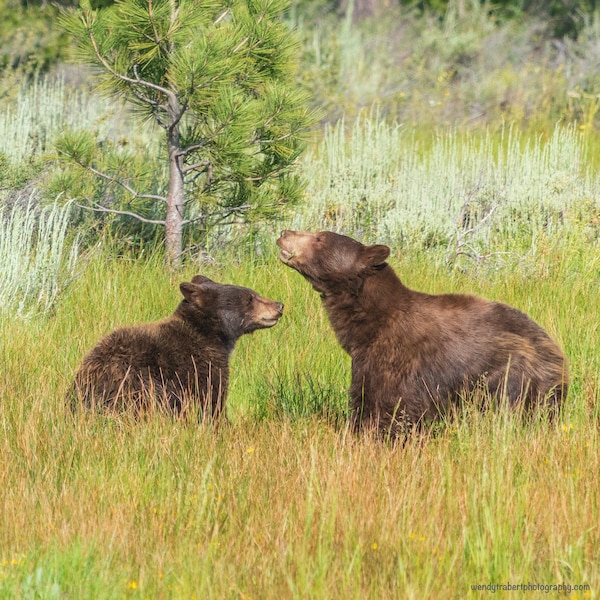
pixel 560 588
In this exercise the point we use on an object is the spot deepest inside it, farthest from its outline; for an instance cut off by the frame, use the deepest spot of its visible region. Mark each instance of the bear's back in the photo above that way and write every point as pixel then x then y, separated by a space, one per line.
pixel 167 359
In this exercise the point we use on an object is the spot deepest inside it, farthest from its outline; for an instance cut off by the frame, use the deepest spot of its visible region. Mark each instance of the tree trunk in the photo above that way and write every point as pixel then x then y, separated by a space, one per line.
pixel 176 198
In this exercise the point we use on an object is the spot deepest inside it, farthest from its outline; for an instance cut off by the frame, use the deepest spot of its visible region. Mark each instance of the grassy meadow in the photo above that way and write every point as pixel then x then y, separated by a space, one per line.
pixel 478 165
pixel 282 502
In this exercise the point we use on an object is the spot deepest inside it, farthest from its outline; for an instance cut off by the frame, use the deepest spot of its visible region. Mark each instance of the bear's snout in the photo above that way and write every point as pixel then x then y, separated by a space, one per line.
pixel 293 244
pixel 269 312
pixel 284 244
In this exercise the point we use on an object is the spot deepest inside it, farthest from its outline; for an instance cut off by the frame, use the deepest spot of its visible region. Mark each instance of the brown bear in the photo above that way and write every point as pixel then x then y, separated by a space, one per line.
pixel 414 354
pixel 180 363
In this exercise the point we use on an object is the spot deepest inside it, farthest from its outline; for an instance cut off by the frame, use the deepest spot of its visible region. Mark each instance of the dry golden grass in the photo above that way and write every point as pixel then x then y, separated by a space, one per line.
pixel 283 503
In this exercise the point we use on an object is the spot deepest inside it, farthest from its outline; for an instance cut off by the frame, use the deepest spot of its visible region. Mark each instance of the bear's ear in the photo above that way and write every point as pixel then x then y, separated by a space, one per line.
pixel 188 289
pixel 376 255
pixel 192 292
pixel 201 279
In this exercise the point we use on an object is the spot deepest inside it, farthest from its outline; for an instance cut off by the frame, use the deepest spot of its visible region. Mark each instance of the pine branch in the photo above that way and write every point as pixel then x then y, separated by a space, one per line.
pixel 125 186
pixel 156 39
pixel 226 212
pixel 204 165
pixel 199 145
pixel 208 171
pixel 222 16
pixel 266 175
pixel 124 78
pixel 119 182
pixel 188 149
pixel 114 211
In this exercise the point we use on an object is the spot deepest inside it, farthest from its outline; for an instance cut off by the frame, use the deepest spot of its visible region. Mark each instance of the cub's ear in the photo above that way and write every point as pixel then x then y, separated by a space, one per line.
pixel 376 255
pixel 192 292
pixel 201 279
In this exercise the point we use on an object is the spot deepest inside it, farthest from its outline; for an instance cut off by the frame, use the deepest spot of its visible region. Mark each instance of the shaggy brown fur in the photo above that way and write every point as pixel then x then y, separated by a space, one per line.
pixel 415 354
pixel 180 363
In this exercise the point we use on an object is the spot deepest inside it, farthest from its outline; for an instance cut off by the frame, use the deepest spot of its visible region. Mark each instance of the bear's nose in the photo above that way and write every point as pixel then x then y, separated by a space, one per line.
pixel 279 307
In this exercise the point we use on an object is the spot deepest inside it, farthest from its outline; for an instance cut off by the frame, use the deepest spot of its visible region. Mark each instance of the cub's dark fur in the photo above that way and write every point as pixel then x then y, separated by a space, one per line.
pixel 180 363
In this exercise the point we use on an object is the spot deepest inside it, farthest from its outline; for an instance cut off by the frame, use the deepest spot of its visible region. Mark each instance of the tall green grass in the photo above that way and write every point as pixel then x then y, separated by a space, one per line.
pixel 489 196
pixel 37 257
pixel 283 502
pixel 28 124
pixel 484 196
pixel 468 69
pixel 43 109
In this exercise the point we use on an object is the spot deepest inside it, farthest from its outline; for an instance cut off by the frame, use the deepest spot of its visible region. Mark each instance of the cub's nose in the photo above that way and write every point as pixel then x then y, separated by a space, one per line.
pixel 279 307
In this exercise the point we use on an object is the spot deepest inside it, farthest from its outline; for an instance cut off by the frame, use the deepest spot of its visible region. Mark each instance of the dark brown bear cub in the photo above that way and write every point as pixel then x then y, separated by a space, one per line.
pixel 180 363
pixel 415 354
